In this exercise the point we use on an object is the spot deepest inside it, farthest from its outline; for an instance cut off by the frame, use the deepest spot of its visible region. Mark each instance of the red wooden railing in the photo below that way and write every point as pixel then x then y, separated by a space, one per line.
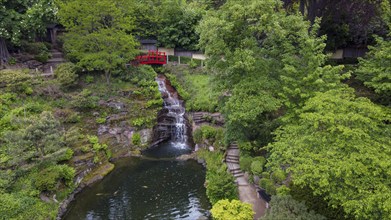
pixel 153 57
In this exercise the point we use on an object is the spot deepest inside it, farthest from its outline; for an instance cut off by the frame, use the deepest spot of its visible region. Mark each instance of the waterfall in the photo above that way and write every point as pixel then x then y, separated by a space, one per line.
pixel 175 111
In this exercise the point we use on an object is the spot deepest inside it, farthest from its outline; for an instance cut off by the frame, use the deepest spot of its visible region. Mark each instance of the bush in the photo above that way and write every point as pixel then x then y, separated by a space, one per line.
pixel 268 185
pixel 47 179
pixel 219 183
pixel 245 163
pixel 283 190
pixel 85 100
pixel 136 139
pixel 89 79
pixel 34 48
pixel 66 74
pixel 257 167
pixel 42 57
pixel 233 210
pixel 278 176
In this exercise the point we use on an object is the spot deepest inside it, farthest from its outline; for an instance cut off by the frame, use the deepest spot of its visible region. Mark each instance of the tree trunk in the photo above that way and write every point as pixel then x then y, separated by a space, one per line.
pixel 107 75
pixel 4 54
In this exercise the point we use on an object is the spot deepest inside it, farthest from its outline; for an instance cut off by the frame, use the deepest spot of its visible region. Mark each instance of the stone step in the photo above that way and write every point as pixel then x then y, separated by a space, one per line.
pixel 232 161
pixel 235 156
pixel 238 175
pixel 236 171
pixel 236 159
pixel 56 60
pixel 57 55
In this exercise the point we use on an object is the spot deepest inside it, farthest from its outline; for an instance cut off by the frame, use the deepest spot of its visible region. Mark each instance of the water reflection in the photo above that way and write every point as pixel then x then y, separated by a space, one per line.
pixel 145 189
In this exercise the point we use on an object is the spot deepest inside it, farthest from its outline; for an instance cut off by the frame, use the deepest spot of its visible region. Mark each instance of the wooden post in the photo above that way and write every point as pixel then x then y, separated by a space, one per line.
pixel 179 59
pixel 202 63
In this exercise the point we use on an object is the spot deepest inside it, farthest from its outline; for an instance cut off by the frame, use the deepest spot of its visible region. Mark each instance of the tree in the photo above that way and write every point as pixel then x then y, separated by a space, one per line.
pixel 285 207
pixel 339 147
pixel 178 23
pixel 375 69
pixel 234 210
pixel 344 22
pixel 98 35
pixel 23 19
pixel 261 56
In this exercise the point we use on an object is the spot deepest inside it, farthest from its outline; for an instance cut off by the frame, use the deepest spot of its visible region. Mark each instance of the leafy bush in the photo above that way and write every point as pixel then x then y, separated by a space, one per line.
pixel 278 176
pixel 34 48
pixel 268 185
pixel 89 79
pixel 14 80
pixel 136 139
pixel 245 163
pixel 257 167
pixel 42 57
pixel 283 190
pixel 219 183
pixel 66 74
pixel 285 207
pixel 233 210
pixel 85 100
pixel 47 179
pixel 96 146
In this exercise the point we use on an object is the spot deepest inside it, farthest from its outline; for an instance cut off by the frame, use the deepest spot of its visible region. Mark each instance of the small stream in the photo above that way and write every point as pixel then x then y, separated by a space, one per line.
pixel 155 186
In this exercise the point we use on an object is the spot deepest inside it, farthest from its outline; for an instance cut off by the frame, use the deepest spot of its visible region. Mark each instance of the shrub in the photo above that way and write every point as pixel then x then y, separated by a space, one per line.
pixel 283 190
pixel 245 163
pixel 96 146
pixel 47 179
pixel 42 57
pixel 85 100
pixel 89 79
pixel 197 136
pixel 256 167
pixel 233 210
pixel 66 74
pixel 136 139
pixel 278 176
pixel 34 48
pixel 268 185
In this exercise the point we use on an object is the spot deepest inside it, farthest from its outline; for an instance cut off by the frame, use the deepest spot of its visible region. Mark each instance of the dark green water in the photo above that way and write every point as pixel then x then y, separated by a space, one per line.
pixel 145 189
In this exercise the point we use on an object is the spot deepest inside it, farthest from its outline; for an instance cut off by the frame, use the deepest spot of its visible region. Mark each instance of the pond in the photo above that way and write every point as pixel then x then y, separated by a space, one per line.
pixel 153 187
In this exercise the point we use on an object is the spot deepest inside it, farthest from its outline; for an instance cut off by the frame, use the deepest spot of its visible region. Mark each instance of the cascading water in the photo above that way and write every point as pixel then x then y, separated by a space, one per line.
pixel 175 111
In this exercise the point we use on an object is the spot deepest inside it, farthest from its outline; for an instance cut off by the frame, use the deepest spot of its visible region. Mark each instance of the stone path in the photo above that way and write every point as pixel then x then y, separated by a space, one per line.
pixel 247 191
pixel 57 57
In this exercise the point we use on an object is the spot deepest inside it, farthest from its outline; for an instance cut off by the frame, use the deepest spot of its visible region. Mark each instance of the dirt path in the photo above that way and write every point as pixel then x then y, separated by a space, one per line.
pixel 247 191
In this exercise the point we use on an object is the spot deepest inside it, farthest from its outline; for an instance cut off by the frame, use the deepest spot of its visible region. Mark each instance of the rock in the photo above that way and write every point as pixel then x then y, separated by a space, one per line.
pixel 103 129
pixel 146 136
pixel 116 105
pixel 95 114
pixel 200 161
pixel 45 198
pixel 32 64
pixel 185 157
pixel 256 180
pixel 211 148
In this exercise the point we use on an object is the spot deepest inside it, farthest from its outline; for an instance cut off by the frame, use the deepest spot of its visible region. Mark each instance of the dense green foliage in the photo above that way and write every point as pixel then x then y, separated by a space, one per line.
pixel 339 147
pixel 375 69
pixel 234 209
pixel 219 183
pixel 98 34
pixel 285 207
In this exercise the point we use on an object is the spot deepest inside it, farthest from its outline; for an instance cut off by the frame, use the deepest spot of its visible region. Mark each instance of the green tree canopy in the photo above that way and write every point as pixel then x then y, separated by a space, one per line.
pixel 23 19
pixel 340 148
pixel 99 34
pixel 375 68
pixel 264 59
pixel 285 207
